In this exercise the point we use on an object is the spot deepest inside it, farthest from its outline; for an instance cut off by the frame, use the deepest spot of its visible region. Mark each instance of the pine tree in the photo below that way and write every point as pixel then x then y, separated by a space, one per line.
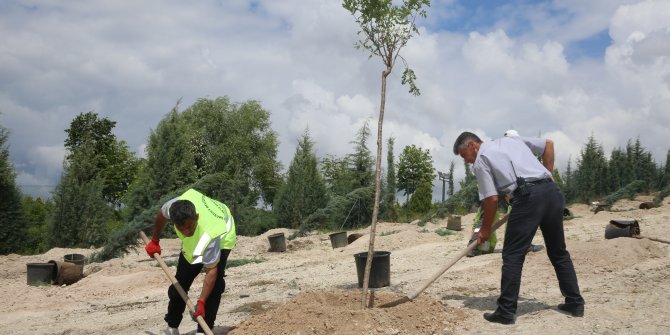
pixel 387 207
pixel 591 168
pixel 362 176
pixel 304 191
pixel 422 199
pixel 665 176
pixel 13 224
pixel 450 179
pixel 81 213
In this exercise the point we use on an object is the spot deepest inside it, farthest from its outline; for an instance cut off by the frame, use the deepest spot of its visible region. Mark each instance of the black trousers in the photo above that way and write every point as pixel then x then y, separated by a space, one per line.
pixel 542 208
pixel 186 273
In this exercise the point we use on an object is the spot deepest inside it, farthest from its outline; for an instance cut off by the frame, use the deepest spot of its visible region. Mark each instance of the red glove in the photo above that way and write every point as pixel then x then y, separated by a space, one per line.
pixel 199 309
pixel 153 248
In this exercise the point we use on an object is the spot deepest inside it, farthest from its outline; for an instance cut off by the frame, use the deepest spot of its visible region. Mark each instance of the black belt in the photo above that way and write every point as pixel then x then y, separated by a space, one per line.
pixel 521 191
pixel 538 181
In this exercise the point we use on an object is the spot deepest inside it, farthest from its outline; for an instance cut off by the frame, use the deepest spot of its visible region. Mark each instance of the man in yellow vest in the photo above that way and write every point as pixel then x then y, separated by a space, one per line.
pixel 490 245
pixel 207 231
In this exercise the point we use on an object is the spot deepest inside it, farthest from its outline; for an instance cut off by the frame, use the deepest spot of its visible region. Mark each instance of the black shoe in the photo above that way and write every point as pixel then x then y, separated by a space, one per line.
pixel 473 253
pixel 495 317
pixel 573 310
pixel 535 248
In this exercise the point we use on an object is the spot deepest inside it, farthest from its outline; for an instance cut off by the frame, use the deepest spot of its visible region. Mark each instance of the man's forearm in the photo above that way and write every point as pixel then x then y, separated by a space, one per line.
pixel 159 225
pixel 208 284
pixel 548 156
pixel 490 207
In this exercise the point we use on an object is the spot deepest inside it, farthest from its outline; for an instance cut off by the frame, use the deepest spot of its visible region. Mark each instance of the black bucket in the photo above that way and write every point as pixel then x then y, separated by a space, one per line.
pixel 277 242
pixel 75 258
pixel 380 270
pixel 339 240
pixel 40 273
pixel 454 222
pixel 618 228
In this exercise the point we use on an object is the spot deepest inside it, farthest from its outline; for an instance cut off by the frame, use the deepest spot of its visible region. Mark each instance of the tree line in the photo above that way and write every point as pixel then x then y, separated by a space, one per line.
pixel 227 150
pixel 106 193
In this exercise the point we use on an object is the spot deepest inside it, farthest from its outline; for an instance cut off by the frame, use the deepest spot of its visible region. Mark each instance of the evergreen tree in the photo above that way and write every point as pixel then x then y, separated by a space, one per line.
pixel 170 156
pixel 362 176
pixel 450 179
pixel 414 165
pixel 81 213
pixel 360 161
pixel 620 171
pixel 591 167
pixel 13 224
pixel 304 191
pixel 388 209
pixel 422 199
pixel 665 175
pixel 568 188
pixel 641 165
pixel 336 174
pixel 37 213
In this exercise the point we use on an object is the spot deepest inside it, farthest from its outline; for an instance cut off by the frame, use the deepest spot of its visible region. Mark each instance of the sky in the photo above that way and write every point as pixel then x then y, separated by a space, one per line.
pixel 559 69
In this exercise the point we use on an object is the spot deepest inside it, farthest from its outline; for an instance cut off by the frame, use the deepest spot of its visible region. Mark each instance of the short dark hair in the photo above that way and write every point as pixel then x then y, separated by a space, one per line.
pixel 182 210
pixel 463 139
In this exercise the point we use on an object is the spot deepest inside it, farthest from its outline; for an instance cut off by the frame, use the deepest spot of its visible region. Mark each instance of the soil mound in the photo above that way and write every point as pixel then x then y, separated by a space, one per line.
pixel 341 312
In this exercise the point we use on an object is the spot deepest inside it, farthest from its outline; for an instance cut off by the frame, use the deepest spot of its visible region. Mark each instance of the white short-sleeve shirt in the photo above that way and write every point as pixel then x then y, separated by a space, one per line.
pixel 500 162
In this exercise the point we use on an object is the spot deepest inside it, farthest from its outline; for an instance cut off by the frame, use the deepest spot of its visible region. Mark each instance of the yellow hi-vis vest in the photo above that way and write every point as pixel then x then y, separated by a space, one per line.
pixel 214 220
pixel 489 245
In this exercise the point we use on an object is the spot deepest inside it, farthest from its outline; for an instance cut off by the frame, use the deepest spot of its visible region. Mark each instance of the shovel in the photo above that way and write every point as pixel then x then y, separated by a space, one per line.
pixel 619 228
pixel 446 267
pixel 181 291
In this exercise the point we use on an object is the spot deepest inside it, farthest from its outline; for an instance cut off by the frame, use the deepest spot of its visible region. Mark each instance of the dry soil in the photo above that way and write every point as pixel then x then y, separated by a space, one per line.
pixel 313 289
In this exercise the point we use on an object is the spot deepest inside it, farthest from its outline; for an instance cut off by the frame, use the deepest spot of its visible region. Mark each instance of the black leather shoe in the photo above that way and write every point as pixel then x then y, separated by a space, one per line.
pixel 494 317
pixel 573 310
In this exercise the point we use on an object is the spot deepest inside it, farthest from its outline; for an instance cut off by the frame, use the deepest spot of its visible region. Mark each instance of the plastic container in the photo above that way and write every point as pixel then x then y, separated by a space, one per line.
pixel 40 273
pixel 339 240
pixel 277 242
pixel 380 270
pixel 78 259
pixel 454 223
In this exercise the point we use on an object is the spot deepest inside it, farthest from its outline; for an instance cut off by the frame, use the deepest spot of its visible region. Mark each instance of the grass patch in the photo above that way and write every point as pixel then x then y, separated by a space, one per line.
pixel 390 232
pixel 443 232
pixel 243 261
pixel 253 307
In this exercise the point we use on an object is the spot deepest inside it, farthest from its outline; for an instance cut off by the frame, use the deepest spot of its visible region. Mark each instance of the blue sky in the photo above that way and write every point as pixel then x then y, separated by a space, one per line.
pixel 564 69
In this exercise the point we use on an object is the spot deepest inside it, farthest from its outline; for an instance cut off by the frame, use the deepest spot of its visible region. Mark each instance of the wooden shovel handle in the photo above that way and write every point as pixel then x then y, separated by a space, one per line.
pixel 453 261
pixel 176 284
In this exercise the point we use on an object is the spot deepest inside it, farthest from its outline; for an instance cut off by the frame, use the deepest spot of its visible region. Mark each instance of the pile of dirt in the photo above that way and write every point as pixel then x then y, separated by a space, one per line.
pixel 341 312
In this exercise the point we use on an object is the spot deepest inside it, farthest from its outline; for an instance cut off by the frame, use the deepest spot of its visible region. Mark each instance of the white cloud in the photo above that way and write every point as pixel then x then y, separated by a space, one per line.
pixel 131 62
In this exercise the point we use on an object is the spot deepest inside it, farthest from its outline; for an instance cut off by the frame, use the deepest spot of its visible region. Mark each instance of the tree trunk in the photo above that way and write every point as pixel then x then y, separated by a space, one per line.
pixel 375 211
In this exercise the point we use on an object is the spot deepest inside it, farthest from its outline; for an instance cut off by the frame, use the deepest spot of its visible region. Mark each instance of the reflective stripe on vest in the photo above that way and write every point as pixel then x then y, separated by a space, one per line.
pixel 211 213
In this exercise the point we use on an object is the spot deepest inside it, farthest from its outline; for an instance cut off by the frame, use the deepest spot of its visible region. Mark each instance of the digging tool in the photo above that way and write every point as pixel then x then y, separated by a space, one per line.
pixel 619 228
pixel 451 263
pixel 182 293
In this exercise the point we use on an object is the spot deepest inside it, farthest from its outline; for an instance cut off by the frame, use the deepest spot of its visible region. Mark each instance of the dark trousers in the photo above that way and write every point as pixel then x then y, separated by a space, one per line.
pixel 186 273
pixel 543 208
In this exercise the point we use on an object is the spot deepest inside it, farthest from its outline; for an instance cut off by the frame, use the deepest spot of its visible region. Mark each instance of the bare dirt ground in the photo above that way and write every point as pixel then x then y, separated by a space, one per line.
pixel 312 288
